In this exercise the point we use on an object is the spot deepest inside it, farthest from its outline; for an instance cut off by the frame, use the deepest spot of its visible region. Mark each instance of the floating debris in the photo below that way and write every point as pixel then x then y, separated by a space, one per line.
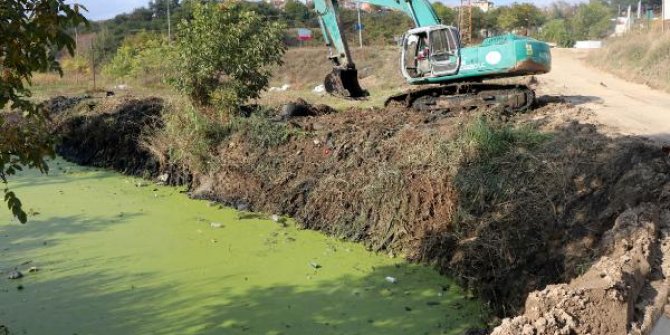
pixel 391 280
pixel 216 225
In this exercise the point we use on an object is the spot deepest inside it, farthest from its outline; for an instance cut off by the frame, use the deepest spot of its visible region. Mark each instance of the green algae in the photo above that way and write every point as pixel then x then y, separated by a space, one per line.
pixel 118 255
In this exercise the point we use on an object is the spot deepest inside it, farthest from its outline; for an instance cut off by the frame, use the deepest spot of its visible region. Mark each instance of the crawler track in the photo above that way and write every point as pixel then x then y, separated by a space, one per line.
pixel 457 97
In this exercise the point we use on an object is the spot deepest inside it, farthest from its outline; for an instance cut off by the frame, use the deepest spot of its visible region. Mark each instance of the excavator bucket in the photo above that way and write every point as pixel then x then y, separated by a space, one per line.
pixel 344 83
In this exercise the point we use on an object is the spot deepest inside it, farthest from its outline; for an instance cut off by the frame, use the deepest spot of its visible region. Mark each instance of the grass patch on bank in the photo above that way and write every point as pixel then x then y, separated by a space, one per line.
pixel 643 57
pixel 190 138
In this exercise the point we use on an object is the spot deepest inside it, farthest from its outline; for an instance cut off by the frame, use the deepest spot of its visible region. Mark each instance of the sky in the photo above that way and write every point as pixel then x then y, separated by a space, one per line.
pixel 107 9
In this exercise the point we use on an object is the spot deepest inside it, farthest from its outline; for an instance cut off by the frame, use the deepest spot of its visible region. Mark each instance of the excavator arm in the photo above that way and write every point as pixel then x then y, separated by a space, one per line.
pixel 343 81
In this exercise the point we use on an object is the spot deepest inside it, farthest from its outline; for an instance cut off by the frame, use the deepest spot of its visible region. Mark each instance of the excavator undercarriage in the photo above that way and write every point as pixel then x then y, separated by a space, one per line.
pixel 466 96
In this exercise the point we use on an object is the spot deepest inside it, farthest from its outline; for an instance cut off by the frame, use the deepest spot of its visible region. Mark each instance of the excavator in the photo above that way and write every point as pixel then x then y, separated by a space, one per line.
pixel 450 76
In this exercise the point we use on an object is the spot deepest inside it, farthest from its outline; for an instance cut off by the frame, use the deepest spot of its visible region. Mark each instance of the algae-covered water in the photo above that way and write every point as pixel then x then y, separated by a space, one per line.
pixel 118 255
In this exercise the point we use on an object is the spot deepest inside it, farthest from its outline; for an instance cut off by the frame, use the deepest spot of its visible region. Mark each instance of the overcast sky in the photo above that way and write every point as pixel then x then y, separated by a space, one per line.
pixel 106 9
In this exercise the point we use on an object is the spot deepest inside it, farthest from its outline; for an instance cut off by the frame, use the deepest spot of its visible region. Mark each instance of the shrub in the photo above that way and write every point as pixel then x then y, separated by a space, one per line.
pixel 225 53
pixel 143 55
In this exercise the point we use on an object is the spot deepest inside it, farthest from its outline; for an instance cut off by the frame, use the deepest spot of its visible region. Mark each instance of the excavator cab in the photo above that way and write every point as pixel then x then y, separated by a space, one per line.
pixel 431 51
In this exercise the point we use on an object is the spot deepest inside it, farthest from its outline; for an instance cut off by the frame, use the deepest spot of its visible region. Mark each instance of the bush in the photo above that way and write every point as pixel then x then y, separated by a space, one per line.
pixel 143 55
pixel 557 31
pixel 224 55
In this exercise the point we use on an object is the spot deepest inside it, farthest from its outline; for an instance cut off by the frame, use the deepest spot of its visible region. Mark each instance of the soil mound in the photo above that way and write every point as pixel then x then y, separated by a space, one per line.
pixel 109 136
pixel 620 294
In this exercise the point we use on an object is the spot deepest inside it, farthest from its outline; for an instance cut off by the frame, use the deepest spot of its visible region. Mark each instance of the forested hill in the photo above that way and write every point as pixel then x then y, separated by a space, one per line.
pixel 559 22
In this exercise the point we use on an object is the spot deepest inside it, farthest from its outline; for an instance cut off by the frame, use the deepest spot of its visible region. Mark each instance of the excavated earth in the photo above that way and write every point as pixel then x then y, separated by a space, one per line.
pixel 563 228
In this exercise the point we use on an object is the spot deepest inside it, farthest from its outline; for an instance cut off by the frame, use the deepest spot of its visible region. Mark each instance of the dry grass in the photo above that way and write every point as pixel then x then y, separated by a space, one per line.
pixel 643 57
pixel 305 68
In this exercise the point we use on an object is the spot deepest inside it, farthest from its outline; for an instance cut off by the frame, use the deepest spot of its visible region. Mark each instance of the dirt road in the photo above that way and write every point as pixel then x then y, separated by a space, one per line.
pixel 627 107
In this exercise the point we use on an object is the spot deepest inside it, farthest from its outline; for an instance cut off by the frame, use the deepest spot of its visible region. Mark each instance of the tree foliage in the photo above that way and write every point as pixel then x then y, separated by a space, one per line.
pixel 520 15
pixel 592 20
pixel 142 55
pixel 224 54
pixel 558 31
pixel 30 31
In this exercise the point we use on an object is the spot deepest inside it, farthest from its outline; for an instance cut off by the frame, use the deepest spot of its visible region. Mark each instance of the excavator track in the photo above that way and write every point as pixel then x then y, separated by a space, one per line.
pixel 466 96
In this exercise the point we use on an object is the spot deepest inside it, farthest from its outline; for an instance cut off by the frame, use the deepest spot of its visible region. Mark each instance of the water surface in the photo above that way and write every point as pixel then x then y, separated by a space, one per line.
pixel 118 255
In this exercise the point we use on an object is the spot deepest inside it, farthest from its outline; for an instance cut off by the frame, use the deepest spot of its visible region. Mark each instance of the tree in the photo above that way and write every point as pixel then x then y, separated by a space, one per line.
pixel 592 20
pixel 519 16
pixel 31 30
pixel 141 55
pixel 557 31
pixel 446 14
pixel 560 10
pixel 296 13
pixel 225 53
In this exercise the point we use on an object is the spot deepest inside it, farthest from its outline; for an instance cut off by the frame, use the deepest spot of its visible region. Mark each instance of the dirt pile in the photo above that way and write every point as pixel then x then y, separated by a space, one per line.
pixel 107 135
pixel 508 205
pixel 620 294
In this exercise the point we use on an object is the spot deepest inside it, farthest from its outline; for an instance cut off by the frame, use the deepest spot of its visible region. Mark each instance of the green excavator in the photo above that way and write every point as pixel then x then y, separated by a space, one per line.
pixel 432 56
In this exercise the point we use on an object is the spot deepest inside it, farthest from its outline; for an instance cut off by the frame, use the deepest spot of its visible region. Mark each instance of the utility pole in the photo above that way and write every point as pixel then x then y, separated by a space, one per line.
pixel 169 22
pixel 465 22
pixel 76 55
pixel 360 27
pixel 93 62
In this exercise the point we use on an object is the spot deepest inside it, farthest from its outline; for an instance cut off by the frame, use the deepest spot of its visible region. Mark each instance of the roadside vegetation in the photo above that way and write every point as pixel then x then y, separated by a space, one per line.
pixel 643 57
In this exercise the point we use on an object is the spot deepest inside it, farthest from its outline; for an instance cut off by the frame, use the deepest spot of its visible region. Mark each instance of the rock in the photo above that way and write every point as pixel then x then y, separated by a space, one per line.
pixel 275 217
pixel 164 177
pixel 314 265
pixel 216 225
pixel 242 206
pixel 391 280
pixel 33 269
pixel 299 108
pixel 15 275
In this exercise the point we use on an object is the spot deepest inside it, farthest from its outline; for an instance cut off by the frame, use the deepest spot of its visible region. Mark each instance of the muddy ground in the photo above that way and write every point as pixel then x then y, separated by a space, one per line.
pixel 544 215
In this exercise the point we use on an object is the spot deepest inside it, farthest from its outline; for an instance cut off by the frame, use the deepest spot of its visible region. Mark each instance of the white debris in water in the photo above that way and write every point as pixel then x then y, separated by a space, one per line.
pixel 391 280
pixel 216 225
pixel 275 217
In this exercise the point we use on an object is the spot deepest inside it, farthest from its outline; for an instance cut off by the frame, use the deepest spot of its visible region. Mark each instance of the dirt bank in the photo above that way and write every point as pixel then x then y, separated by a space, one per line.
pixel 507 204
pixel 622 293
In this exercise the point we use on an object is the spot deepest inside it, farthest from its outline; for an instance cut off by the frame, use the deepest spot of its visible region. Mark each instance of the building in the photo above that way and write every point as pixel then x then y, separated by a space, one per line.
pixel 484 5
